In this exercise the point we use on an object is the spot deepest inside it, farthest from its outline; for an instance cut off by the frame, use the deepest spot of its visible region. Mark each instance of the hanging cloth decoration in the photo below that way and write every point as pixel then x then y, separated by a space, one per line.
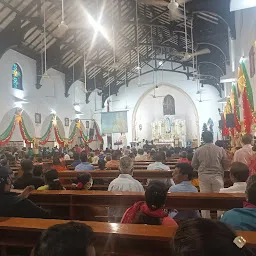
pixel 72 135
pixel 83 136
pixel 97 132
pixel 235 106
pixel 7 134
pixel 58 137
pixel 47 134
pixel 53 123
pixel 247 96
pixel 23 130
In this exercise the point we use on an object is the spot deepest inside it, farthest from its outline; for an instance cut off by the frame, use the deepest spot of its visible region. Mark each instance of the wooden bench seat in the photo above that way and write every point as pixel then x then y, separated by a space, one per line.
pixel 111 238
pixel 92 205
pixel 112 174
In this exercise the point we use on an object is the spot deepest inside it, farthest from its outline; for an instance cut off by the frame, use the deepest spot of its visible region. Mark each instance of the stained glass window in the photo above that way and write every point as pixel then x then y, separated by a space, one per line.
pixel 169 105
pixel 17 77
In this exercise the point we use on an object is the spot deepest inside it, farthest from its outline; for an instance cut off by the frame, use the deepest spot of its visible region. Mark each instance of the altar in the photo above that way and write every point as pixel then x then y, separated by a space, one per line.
pixel 170 130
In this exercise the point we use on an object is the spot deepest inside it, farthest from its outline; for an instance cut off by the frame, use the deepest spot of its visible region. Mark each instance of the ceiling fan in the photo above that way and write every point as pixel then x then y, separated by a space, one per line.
pixel 172 5
pixel 62 26
pixel 154 95
pixel 186 56
pixel 200 99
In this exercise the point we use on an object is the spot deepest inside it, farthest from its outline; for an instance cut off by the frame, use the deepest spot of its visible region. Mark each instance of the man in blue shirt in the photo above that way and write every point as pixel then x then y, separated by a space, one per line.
pixel 182 177
pixel 77 160
pixel 84 165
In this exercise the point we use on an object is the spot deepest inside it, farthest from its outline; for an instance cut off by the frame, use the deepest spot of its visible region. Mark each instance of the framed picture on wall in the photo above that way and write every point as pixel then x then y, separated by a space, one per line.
pixel 87 124
pixel 66 121
pixel 37 118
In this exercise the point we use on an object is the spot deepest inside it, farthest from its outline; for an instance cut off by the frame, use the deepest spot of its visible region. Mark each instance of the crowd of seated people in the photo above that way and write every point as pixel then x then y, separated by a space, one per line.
pixel 194 235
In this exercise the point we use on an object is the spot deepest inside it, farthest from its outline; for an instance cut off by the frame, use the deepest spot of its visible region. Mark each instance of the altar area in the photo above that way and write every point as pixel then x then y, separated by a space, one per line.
pixel 170 130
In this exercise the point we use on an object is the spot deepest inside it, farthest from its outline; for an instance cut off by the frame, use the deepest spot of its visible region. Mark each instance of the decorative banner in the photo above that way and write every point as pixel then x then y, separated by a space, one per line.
pixel 97 132
pixel 235 106
pixel 247 97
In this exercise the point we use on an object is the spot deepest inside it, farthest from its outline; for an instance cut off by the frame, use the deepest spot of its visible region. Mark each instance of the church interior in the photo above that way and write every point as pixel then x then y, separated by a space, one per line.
pixel 111 111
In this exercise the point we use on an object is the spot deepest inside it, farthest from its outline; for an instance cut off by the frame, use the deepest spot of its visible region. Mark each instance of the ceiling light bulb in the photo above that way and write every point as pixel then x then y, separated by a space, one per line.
pixel 77 107
pixel 173 5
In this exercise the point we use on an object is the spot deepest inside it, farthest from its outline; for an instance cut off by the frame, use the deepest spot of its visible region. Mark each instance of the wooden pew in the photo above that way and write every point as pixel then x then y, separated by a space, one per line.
pixel 111 238
pixel 137 174
pixel 92 205
pixel 112 174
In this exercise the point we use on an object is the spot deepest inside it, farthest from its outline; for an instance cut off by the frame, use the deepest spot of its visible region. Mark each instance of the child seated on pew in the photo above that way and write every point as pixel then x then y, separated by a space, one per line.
pixel 52 181
pixel 67 239
pixel 206 237
pixel 83 182
pixel 151 211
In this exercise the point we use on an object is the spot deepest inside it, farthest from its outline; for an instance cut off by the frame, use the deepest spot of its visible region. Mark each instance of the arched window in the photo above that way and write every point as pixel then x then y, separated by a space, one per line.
pixel 17 77
pixel 169 105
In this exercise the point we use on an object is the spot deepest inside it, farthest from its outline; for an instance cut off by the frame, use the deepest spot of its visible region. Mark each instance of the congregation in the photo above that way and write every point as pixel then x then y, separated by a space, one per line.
pixel 200 170
pixel 127 127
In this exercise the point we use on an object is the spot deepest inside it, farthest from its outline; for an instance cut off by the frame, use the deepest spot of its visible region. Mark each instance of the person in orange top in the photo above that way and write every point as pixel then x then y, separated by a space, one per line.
pixel 114 163
pixel 57 165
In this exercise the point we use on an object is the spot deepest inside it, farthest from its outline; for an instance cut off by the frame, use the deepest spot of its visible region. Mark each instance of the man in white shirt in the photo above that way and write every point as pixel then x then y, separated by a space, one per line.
pixel 239 173
pixel 141 156
pixel 158 165
pixel 125 181
pixel 67 157
pixel 245 153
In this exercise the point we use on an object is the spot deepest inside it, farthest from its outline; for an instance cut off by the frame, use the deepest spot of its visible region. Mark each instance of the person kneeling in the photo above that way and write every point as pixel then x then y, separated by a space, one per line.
pixel 152 211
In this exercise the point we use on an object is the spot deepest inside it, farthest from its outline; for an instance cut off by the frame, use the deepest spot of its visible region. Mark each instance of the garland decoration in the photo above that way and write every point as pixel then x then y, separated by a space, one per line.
pixel 7 134
pixel 23 130
pixel 18 119
pixel 72 135
pixel 46 136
